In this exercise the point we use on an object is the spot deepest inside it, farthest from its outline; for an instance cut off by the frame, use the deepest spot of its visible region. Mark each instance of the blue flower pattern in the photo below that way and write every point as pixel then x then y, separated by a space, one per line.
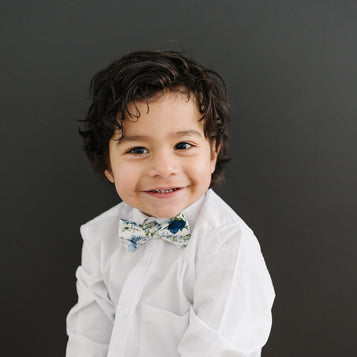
pixel 176 225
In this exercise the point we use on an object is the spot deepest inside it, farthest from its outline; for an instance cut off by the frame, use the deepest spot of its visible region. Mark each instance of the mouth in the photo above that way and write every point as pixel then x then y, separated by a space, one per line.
pixel 168 190
pixel 163 192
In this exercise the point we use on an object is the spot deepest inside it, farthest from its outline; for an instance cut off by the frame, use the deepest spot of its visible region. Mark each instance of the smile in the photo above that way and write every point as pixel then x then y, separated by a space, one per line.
pixel 165 191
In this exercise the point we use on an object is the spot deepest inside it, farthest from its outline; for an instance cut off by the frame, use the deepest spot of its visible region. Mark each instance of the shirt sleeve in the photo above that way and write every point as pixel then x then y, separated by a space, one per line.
pixel 90 321
pixel 233 297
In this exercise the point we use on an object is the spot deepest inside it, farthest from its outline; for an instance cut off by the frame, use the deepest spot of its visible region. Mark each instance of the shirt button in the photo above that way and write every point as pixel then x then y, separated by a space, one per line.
pixel 123 311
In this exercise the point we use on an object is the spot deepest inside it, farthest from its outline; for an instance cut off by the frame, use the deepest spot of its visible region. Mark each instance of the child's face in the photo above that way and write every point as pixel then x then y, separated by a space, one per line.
pixel 164 162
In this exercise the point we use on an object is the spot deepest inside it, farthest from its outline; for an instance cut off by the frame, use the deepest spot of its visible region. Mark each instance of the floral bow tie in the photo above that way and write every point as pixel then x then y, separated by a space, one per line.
pixel 174 230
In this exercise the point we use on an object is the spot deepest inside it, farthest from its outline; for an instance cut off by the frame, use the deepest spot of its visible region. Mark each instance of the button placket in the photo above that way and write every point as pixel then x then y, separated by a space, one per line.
pixel 129 298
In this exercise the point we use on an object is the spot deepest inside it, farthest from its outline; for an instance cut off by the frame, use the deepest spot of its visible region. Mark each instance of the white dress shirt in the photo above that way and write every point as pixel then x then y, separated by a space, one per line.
pixel 212 298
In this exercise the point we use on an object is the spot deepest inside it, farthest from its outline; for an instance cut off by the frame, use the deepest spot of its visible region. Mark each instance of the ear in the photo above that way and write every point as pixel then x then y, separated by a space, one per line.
pixel 214 154
pixel 109 175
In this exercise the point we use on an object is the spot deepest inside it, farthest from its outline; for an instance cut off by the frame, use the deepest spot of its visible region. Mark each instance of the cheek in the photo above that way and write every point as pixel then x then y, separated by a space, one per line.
pixel 200 170
pixel 126 177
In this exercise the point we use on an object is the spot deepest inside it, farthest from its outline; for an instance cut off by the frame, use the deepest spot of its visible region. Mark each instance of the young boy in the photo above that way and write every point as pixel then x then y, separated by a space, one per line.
pixel 171 270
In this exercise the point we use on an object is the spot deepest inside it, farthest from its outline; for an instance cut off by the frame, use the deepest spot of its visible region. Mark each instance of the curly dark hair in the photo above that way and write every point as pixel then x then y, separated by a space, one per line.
pixel 139 76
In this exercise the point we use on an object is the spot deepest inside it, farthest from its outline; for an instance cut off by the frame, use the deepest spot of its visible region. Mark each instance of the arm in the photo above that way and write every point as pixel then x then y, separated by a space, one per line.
pixel 233 296
pixel 90 321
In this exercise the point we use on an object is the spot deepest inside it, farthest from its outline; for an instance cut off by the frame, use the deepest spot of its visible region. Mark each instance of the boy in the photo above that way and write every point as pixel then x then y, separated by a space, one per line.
pixel 172 270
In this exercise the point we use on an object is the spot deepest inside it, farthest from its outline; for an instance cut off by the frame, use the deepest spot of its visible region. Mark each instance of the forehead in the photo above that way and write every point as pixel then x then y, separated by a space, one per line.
pixel 175 110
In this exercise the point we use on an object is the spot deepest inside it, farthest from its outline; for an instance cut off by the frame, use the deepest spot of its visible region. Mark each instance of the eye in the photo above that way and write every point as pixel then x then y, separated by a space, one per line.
pixel 138 151
pixel 183 146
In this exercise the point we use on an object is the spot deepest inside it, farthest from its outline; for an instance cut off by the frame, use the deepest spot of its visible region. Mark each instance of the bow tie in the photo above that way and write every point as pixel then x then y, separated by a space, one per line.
pixel 174 230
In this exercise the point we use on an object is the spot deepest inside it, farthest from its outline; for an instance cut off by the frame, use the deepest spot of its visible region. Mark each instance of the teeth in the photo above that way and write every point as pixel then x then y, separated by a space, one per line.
pixel 165 191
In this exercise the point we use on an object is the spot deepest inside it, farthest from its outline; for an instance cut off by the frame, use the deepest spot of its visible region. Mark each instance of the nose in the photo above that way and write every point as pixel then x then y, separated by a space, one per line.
pixel 162 164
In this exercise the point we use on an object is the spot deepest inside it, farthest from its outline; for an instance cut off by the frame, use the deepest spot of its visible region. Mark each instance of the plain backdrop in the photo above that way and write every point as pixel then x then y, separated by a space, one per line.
pixel 290 68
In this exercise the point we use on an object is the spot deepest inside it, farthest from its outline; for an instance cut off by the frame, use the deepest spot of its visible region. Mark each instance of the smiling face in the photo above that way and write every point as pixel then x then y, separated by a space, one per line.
pixel 163 163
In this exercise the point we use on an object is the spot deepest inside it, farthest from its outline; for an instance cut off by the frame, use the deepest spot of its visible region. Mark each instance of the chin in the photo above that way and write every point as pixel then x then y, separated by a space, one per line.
pixel 164 213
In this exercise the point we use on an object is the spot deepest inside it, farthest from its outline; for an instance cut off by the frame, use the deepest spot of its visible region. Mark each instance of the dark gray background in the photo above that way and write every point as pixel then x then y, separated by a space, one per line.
pixel 290 67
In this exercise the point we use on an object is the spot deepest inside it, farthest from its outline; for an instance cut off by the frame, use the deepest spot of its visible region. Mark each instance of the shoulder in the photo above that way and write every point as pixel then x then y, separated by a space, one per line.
pixel 218 215
pixel 224 241
pixel 218 227
pixel 103 228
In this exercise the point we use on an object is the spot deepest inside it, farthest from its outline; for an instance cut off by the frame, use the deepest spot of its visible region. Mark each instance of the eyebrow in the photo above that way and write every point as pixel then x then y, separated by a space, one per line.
pixel 179 134
pixel 187 133
pixel 134 138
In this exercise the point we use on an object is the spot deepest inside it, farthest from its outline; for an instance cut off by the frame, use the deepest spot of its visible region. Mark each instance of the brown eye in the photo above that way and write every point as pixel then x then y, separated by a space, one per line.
pixel 183 146
pixel 138 151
